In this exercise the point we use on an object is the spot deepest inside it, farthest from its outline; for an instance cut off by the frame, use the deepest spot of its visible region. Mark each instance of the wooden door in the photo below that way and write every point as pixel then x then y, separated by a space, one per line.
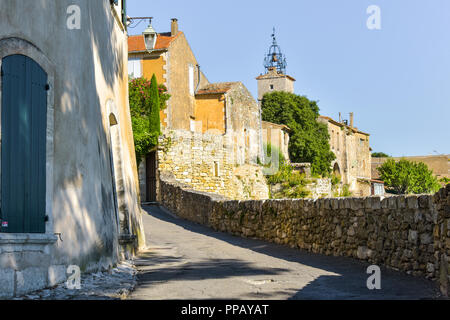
pixel 150 169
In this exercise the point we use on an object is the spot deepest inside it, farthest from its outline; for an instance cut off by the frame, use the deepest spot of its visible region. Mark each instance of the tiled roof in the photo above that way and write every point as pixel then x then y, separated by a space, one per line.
pixel 163 41
pixel 342 125
pixel 216 88
pixel 271 74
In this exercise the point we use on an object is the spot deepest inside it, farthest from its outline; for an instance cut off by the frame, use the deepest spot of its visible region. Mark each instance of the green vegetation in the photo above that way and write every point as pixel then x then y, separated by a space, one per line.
pixel 293 183
pixel 146 101
pixel 407 177
pixel 380 155
pixel 444 181
pixel 308 138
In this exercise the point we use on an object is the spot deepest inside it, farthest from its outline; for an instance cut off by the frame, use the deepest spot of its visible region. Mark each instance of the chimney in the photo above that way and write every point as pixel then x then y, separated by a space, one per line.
pixel 174 27
pixel 351 119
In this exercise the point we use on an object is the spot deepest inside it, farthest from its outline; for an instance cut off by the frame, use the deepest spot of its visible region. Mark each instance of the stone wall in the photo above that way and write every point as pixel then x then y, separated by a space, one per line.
pixel 442 237
pixel 206 162
pixel 407 233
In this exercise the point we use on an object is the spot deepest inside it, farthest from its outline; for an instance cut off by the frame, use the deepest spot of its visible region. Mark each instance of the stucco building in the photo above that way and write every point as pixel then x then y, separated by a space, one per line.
pixel 353 159
pixel 214 127
pixel 69 184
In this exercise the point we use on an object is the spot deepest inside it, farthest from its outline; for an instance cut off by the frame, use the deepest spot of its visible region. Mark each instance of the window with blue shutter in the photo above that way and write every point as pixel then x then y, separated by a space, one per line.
pixel 23 145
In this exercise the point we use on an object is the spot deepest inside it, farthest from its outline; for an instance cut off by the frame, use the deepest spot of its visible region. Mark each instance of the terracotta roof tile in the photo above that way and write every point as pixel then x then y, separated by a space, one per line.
pixel 136 43
pixel 216 88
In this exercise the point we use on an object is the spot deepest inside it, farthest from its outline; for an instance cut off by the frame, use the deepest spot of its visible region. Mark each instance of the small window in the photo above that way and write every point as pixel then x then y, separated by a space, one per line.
pixel 216 169
pixel 134 67
pixel 271 87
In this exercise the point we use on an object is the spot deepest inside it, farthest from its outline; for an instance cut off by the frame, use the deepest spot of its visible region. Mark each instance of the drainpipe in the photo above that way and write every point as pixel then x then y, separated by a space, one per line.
pixel 199 76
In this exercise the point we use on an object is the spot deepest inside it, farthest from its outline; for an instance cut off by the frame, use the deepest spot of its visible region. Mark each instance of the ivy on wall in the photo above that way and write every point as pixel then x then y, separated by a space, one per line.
pixel 147 99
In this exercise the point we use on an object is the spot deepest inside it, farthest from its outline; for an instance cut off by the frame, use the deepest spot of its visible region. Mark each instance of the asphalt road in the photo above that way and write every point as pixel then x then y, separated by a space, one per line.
pixel 189 261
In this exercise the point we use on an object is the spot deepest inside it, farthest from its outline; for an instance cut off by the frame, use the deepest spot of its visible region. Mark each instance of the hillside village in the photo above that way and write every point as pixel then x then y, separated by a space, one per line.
pixel 225 117
pixel 74 193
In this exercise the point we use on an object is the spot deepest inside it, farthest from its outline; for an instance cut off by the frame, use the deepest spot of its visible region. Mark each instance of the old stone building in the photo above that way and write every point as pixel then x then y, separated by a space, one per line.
pixel 350 145
pixel 277 135
pixel 352 150
pixel 211 131
pixel 68 169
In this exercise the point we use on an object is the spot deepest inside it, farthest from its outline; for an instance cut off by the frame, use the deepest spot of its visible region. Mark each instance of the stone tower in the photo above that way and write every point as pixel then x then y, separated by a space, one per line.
pixel 275 78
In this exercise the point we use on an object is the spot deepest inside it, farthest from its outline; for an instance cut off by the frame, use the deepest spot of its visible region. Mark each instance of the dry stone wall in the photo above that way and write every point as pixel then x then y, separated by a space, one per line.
pixel 407 233
pixel 205 162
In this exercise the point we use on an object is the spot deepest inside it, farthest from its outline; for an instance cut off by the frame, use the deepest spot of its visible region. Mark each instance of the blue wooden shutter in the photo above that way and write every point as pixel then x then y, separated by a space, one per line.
pixel 23 159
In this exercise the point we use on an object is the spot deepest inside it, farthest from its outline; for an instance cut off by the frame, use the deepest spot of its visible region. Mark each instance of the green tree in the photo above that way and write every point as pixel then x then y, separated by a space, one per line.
pixel 309 139
pixel 406 177
pixel 146 100
pixel 380 155
pixel 155 107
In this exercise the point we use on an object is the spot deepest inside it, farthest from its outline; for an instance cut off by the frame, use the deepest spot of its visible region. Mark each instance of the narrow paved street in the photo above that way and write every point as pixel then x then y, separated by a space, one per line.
pixel 190 261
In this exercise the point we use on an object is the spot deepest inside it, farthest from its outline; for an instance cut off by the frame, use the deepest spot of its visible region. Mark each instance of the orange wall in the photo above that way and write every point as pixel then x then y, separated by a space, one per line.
pixel 210 111
pixel 155 65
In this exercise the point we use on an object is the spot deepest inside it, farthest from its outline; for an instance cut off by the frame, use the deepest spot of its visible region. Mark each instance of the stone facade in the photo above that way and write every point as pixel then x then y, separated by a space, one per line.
pixel 277 135
pixel 274 81
pixel 407 233
pixel 91 201
pixel 353 159
pixel 206 162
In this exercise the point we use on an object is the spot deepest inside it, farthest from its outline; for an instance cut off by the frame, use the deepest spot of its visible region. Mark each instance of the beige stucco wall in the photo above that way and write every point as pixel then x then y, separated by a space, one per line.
pixel 181 106
pixel 279 82
pixel 352 150
pixel 90 71
pixel 277 136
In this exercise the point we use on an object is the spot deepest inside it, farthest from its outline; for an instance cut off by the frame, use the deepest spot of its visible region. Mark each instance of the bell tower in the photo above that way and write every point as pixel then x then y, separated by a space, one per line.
pixel 275 78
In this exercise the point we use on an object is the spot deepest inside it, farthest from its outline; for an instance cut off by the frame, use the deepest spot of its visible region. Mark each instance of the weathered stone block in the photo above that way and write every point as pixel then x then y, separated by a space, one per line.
pixel 412 202
pixel 31 279
pixel 56 275
pixel 413 236
pixel 6 283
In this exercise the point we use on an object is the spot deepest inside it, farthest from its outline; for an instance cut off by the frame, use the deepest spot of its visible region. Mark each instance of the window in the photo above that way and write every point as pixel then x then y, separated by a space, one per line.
pixel 216 169
pixel 271 87
pixel 24 141
pixel 191 80
pixel 134 67
pixel 192 125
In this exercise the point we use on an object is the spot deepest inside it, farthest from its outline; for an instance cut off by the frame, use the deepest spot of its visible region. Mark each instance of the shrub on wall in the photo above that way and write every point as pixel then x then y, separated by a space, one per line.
pixel 407 177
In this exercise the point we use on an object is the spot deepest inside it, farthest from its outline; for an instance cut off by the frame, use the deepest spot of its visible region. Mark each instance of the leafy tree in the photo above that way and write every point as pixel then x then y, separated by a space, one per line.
pixel 309 139
pixel 146 100
pixel 380 155
pixel 405 177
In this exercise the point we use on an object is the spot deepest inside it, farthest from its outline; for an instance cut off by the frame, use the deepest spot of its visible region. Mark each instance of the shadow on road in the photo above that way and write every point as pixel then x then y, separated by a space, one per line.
pixel 349 283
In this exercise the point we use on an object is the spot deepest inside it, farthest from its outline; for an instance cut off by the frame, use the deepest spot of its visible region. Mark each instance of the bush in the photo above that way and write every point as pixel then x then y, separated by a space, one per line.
pixel 146 100
pixel 309 139
pixel 407 177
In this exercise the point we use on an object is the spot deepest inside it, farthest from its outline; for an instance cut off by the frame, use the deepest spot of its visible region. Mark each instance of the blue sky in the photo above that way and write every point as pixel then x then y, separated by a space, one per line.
pixel 396 80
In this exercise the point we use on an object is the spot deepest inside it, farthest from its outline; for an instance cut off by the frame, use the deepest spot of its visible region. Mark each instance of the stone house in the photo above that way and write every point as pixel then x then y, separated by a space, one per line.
pixel 277 135
pixel 211 131
pixel 69 184
pixel 353 159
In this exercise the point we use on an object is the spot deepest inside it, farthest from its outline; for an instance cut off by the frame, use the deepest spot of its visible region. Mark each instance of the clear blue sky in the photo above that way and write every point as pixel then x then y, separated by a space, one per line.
pixel 396 80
